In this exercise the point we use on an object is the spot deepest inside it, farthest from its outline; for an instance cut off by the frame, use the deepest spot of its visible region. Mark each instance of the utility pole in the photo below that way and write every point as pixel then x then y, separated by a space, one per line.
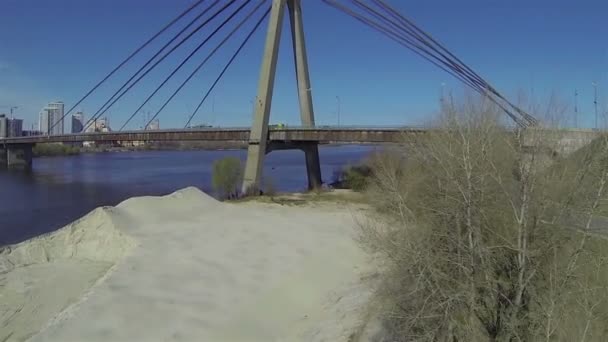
pixel 575 108
pixel 595 101
pixel 213 108
pixel 338 99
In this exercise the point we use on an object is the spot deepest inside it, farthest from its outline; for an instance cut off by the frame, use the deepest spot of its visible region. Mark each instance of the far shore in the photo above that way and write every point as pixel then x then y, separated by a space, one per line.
pixel 59 149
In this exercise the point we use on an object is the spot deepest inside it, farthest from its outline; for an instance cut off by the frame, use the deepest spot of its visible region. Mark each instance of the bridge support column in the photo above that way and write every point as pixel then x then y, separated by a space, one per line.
pixel 259 131
pixel 19 156
pixel 3 157
pixel 313 165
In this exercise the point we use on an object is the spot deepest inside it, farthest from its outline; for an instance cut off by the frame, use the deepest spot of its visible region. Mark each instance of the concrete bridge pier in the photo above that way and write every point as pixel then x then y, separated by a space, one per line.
pixel 313 166
pixel 3 157
pixel 311 152
pixel 19 156
pixel 258 140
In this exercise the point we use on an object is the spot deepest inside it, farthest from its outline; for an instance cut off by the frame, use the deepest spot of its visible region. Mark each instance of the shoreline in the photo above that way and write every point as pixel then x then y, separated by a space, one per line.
pixel 265 268
pixel 164 147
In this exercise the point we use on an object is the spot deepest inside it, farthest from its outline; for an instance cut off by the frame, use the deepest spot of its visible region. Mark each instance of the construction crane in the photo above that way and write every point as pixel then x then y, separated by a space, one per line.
pixel 11 109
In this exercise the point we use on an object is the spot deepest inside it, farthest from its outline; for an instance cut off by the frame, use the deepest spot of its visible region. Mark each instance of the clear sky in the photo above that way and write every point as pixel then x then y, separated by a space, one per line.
pixel 57 50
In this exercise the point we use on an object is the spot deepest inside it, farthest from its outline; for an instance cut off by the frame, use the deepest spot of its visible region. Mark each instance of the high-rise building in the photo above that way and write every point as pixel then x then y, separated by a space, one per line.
pixel 10 127
pixel 51 119
pixel 15 127
pixel 77 122
pixel 3 126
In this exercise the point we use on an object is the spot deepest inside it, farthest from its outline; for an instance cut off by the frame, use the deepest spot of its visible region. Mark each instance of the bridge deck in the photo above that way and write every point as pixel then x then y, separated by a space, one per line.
pixel 320 134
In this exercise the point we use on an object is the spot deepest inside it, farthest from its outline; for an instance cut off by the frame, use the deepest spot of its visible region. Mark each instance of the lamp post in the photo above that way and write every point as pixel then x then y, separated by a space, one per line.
pixel 575 108
pixel 594 84
pixel 338 111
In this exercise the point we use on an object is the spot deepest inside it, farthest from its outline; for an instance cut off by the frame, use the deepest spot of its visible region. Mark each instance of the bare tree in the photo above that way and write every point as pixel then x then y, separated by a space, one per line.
pixel 486 232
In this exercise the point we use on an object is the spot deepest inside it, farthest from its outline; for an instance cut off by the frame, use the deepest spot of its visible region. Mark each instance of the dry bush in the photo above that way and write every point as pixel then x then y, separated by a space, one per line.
pixel 226 177
pixel 486 233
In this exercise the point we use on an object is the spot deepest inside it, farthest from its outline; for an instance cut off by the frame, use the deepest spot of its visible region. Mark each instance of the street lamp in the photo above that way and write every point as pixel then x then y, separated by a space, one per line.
pixel 575 108
pixel 594 84
pixel 338 112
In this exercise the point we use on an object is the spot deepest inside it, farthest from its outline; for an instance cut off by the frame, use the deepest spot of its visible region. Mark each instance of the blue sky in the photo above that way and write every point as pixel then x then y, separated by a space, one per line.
pixel 57 50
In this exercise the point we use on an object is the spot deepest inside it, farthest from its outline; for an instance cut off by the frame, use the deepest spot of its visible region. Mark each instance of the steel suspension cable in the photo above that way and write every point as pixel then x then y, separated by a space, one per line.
pixel 428 50
pixel 236 53
pixel 211 54
pixel 431 50
pixel 473 81
pixel 399 16
pixel 103 107
pixel 126 60
pixel 185 61
pixel 181 42
pixel 489 88
pixel 395 36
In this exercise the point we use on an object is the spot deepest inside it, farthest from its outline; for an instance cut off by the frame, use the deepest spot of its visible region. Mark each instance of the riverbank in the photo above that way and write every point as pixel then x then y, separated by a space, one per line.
pixel 187 267
pixel 59 149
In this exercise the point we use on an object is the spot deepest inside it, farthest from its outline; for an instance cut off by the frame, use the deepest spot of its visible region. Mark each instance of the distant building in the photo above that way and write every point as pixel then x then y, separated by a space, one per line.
pixel 29 133
pixel 77 122
pixel 98 125
pixel 15 127
pixel 3 126
pixel 154 125
pixel 10 127
pixel 50 120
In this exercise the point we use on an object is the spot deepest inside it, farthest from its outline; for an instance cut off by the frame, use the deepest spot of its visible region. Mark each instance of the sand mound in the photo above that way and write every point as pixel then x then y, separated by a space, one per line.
pixel 202 270
pixel 94 237
pixel 183 201
pixel 41 277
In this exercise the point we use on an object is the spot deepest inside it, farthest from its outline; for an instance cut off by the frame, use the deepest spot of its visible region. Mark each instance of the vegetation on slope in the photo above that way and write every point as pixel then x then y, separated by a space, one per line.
pixel 54 149
pixel 481 241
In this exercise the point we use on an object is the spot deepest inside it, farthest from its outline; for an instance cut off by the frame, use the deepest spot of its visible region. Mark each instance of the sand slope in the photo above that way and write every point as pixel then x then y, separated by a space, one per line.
pixel 200 270
pixel 43 276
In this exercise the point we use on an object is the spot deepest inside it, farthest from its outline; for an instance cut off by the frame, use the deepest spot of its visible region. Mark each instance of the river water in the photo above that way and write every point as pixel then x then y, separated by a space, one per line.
pixel 59 190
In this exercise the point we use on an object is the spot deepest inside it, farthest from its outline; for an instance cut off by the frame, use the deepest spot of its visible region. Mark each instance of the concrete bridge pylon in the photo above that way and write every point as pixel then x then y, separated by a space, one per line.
pixel 258 145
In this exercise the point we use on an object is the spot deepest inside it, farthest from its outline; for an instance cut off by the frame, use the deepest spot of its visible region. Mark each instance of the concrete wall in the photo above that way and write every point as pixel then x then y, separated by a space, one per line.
pixel 19 156
pixel 562 142
pixel 3 157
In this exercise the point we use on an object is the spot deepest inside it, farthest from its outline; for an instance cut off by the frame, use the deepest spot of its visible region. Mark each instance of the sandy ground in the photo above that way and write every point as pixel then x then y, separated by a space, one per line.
pixel 185 267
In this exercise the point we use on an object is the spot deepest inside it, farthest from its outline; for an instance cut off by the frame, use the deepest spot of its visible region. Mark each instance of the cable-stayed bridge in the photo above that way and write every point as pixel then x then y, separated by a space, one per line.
pixel 208 20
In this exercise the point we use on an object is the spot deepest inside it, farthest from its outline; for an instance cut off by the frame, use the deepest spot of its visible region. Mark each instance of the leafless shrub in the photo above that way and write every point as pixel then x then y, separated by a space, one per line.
pixel 487 234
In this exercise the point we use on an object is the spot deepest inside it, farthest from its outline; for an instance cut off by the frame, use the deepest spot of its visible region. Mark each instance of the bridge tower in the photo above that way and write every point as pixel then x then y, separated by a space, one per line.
pixel 259 145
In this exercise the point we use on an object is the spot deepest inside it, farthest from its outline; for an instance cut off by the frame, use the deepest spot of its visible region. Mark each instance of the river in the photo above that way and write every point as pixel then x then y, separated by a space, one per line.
pixel 60 190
